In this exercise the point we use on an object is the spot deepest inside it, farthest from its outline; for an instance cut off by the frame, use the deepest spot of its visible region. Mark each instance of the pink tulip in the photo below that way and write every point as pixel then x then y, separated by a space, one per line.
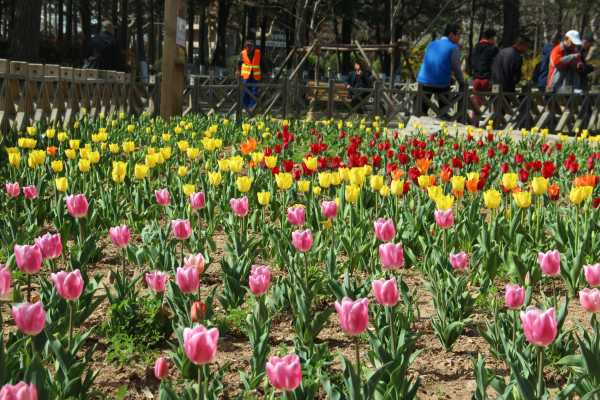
pixel 539 326
pixel 329 209
pixel 590 299
pixel 259 280
pixel 354 315
pixel 200 344
pixel 284 373
pixel 30 192
pixel 50 245
pixel 302 240
pixel 391 256
pixel 161 368
pixel 157 281
pixel 77 205
pixel 384 229
pixel 5 280
pixel 120 236
pixel 12 189
pixel 444 218
pixel 28 258
pixel 187 279
pixel 20 391
pixel 592 274
pixel 197 200
pixel 386 292
pixel 29 318
pixel 296 215
pixel 459 261
pixel 196 261
pixel 69 285
pixel 239 206
pixel 181 229
pixel 549 262
pixel 514 296
pixel 163 198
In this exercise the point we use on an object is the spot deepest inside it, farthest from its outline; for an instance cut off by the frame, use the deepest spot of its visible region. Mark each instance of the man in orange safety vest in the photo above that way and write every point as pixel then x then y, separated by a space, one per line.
pixel 250 72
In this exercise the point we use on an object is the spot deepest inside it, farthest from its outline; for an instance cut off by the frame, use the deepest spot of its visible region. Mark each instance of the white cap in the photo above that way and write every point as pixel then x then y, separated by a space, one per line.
pixel 575 38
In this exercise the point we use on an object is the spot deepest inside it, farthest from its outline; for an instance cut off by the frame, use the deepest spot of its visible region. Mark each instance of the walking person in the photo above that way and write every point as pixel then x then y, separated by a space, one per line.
pixel 358 79
pixel 482 59
pixel 441 61
pixel 564 61
pixel 250 72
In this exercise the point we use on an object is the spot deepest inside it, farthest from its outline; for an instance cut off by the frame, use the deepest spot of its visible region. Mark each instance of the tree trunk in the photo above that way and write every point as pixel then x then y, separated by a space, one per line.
pixel 69 30
pixel 151 34
pixel 190 49
pixel 471 34
pixel 511 22
pixel 347 26
pixel 123 26
pixel 85 11
pixel 115 12
pixel 25 36
pixel 139 31
pixel 99 12
pixel 220 58
pixel 203 33
pixel 251 23
pixel 60 26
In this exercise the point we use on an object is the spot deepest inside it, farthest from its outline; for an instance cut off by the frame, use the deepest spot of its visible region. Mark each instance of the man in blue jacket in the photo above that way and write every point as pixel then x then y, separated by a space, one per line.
pixel 540 74
pixel 441 61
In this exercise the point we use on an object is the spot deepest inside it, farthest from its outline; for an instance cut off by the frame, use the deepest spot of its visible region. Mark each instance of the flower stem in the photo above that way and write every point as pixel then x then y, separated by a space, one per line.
pixel 200 391
pixel 70 326
pixel 29 288
pixel 357 354
pixel 389 315
pixel 540 380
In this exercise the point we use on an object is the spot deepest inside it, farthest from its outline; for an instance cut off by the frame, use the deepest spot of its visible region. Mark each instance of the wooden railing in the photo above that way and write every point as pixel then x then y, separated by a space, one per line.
pixel 53 95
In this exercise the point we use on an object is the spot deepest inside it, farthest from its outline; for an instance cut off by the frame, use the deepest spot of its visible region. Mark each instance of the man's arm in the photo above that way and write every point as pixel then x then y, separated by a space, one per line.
pixel 564 61
pixel 456 67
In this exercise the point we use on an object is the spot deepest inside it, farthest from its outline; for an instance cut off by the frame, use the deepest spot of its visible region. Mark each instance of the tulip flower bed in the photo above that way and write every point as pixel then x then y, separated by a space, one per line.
pixel 201 258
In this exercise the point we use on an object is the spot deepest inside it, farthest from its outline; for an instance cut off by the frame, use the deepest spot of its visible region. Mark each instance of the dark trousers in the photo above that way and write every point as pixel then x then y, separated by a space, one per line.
pixel 441 94
pixel 249 88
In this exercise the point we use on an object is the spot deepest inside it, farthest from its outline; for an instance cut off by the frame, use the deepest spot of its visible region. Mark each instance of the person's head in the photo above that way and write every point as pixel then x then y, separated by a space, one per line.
pixel 556 38
pixel 588 41
pixel 358 69
pixel 249 45
pixel 521 44
pixel 489 35
pixel 107 26
pixel 572 39
pixel 452 32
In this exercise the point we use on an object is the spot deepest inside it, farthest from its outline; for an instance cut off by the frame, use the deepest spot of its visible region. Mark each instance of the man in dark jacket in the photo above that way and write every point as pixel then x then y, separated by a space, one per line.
pixel 482 59
pixel 104 50
pixel 358 79
pixel 506 69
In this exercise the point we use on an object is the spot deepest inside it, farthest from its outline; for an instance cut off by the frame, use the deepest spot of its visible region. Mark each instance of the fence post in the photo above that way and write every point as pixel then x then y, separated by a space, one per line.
pixel 240 104
pixel 330 97
pixel 378 87
pixel 284 94
pixel 418 106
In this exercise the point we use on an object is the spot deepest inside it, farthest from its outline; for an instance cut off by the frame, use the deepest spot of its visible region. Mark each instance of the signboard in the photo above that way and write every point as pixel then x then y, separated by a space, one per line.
pixel 181 32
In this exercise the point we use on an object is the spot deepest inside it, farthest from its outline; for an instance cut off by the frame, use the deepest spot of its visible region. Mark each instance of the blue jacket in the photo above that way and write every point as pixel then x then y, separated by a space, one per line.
pixel 542 76
pixel 436 69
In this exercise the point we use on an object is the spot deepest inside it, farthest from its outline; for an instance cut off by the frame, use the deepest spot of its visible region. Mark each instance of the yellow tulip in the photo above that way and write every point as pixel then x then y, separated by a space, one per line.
pixel 119 170
pixel 424 181
pixel 444 202
pixel 303 186
pixel 188 189
pixel 397 187
pixel 74 144
pixel 62 136
pixel 472 176
pixel 263 198
pixel 128 147
pixel 434 192
pixel 492 198
pixel 311 163
pixel 31 130
pixel 193 153
pixel 284 180
pixel 257 157
pixel 183 145
pixel 56 165
pixel 324 179
pixel 62 184
pixel 316 190
pixel 151 160
pixel 579 194
pixel 539 184
pixel 50 133
pixel 236 163
pixel 36 158
pixel 351 193
pixel 223 165
pixel 336 179
pixel 458 183
pixel 84 165
pixel 14 159
pixel 344 174
pixel 94 157
pixel 509 180
pixel 244 183
pixel 114 148
pixel 356 176
pixel 522 199
pixel 214 178
pixel 130 128
pixel 71 154
pixel 27 143
pixel 182 171
pixel 376 182
pixel 140 171
pixel 166 152
pixel 384 191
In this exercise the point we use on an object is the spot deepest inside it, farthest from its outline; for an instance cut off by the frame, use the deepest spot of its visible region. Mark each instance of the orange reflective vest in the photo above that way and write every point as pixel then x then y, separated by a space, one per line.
pixel 250 67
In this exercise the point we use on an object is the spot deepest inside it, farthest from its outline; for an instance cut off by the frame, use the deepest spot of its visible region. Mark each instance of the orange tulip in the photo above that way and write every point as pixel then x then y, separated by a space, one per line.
pixel 472 185
pixel 423 165
pixel 586 180
pixel 445 175
pixel 51 150
pixel 554 191
pixel 248 146
pixel 459 193
pixel 398 174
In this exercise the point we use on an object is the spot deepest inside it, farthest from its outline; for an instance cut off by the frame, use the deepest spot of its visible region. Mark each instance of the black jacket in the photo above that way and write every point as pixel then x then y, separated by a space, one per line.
pixel 104 52
pixel 506 69
pixel 482 58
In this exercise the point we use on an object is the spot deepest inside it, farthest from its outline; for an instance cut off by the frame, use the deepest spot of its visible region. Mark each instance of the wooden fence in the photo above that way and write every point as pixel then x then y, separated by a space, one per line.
pixel 54 95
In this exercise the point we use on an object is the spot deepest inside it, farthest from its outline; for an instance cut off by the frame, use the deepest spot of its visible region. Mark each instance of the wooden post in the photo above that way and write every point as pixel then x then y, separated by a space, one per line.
pixel 173 62
pixel 330 98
